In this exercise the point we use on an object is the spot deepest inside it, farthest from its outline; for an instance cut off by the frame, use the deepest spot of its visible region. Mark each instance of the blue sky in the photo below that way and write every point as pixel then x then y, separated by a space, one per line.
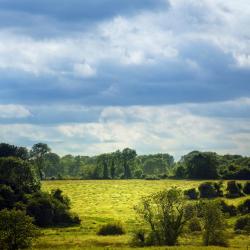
pixel 94 76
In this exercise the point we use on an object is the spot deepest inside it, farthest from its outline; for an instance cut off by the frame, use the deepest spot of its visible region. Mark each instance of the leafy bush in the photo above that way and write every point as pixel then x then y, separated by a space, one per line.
pixel 191 193
pixel 234 189
pixel 214 225
pixel 244 208
pixel 194 225
pixel 139 238
pixel 246 188
pixel 51 210
pixel 210 190
pixel 243 224
pixel 16 230
pixel 111 229
pixel 163 212
pixel 231 210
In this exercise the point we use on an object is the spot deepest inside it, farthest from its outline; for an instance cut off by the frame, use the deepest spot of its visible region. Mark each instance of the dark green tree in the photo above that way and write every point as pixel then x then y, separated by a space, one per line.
pixel 128 158
pixel 38 153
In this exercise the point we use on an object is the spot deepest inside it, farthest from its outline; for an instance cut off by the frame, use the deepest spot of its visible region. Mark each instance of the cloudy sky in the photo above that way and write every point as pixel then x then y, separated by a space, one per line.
pixel 94 76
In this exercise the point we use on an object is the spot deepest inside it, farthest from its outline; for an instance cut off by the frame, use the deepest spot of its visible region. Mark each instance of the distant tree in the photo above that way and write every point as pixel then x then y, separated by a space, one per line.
pixel 38 153
pixel 214 224
pixel 128 158
pixel 201 165
pixel 16 230
pixel 164 213
pixel 52 166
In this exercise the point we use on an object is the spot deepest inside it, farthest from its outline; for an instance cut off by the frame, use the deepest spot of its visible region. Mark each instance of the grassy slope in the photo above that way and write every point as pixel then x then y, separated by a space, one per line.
pixel 98 202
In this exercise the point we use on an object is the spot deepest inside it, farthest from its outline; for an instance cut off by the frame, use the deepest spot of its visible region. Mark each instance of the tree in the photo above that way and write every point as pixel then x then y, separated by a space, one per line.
pixel 128 158
pixel 16 230
pixel 7 150
pixel 214 224
pixel 38 153
pixel 52 166
pixel 164 213
pixel 19 175
pixel 201 165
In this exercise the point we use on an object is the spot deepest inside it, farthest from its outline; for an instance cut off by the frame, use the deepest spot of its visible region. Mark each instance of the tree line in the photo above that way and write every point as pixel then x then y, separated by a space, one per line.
pixel 127 164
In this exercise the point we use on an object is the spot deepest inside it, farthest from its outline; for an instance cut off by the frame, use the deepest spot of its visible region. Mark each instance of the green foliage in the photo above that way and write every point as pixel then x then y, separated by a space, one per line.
pixel 38 155
pixel 192 193
pixel 210 190
pixel 243 223
pixel 229 210
pixel 16 230
pixel 163 212
pixel 51 210
pixel 244 207
pixel 214 225
pixel 19 175
pixel 114 228
pixel 234 189
pixel 246 188
pixel 201 165
pixel 194 225
pixel 7 150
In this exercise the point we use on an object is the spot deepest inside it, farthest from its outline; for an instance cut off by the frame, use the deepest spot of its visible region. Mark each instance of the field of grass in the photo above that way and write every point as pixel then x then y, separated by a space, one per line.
pixel 99 202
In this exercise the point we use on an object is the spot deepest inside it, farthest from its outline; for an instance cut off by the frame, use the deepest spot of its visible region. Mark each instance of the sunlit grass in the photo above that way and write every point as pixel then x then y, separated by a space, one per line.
pixel 102 201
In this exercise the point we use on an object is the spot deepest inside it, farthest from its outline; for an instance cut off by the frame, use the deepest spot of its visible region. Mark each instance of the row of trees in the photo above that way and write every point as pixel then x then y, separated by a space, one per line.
pixel 126 164
pixel 209 165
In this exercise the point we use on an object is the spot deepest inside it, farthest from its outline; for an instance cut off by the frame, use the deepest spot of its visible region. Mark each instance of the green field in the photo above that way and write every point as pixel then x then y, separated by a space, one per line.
pixel 99 202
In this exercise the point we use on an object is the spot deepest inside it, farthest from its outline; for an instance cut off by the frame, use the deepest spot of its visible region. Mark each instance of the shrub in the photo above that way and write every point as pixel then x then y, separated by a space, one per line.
pixel 16 230
pixel 191 193
pixel 111 229
pixel 139 238
pixel 231 210
pixel 210 190
pixel 246 188
pixel 163 212
pixel 243 223
pixel 234 189
pixel 151 177
pixel 244 208
pixel 194 225
pixel 214 225
pixel 51 210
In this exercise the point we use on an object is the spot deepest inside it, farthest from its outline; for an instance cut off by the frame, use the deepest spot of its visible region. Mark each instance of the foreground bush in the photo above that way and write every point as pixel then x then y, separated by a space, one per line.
pixel 111 229
pixel 163 213
pixel 214 224
pixel 243 224
pixel 16 230
pixel 194 225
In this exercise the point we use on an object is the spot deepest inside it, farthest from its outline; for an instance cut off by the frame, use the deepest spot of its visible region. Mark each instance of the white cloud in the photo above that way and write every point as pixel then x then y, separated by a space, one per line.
pixel 13 111
pixel 84 70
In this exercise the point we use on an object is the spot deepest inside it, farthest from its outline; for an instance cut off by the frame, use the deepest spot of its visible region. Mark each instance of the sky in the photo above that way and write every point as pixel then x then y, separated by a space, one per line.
pixel 94 76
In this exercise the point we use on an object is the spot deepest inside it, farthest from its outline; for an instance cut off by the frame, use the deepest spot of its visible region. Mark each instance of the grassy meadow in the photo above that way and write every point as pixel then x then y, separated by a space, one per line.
pixel 102 201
